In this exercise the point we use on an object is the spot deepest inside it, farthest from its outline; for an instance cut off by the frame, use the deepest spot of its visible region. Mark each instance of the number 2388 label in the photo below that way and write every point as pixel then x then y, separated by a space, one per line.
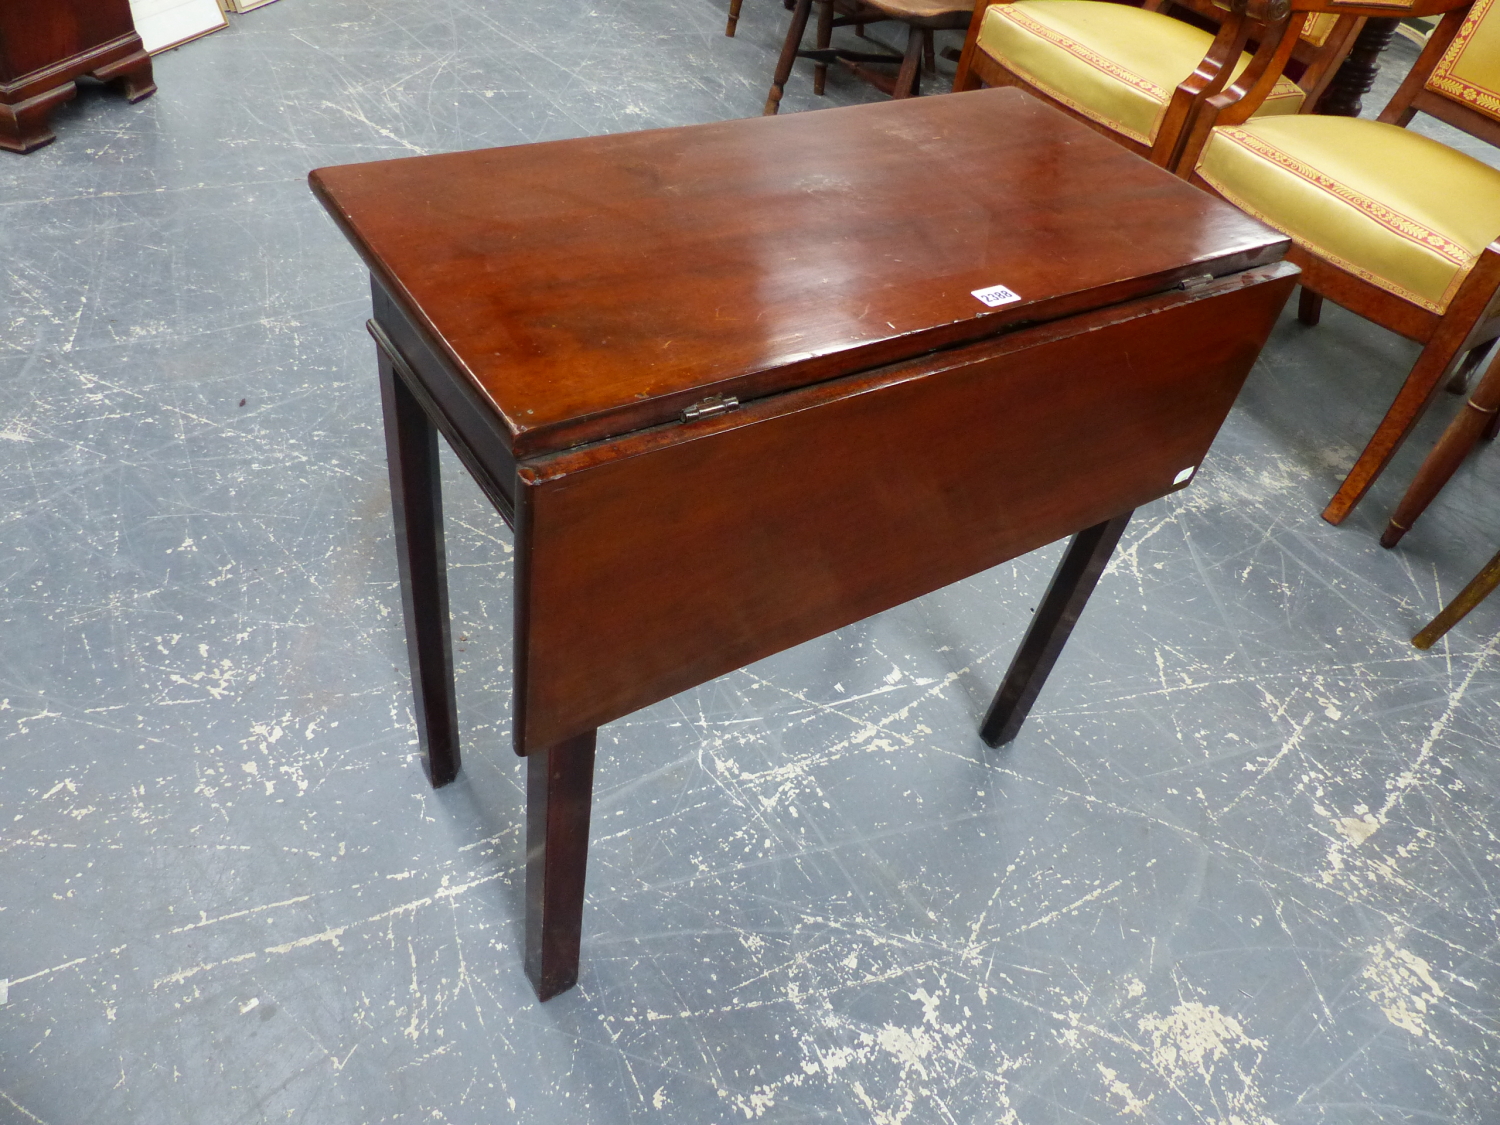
pixel 996 295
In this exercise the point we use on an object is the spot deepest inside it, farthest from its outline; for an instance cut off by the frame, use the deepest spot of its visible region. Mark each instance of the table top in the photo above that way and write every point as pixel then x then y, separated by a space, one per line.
pixel 598 286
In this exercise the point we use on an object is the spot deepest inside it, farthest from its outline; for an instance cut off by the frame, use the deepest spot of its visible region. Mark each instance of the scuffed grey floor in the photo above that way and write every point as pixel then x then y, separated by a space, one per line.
pixel 1240 868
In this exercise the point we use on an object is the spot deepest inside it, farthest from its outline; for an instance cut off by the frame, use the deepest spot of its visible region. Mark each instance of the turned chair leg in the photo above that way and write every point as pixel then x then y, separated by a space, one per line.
pixel 1309 307
pixel 1476 418
pixel 788 56
pixel 825 39
pixel 1460 381
pixel 559 794
pixel 734 17
pixel 1455 611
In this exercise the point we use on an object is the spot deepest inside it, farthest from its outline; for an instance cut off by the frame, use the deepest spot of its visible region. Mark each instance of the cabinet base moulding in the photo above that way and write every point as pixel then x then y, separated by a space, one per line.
pixel 26 103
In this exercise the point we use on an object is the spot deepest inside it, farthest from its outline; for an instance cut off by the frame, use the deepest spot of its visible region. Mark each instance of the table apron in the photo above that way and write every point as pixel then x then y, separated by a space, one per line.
pixel 649 564
pixel 460 412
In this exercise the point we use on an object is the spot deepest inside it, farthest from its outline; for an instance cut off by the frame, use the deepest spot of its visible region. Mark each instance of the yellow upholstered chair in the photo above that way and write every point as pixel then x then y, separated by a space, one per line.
pixel 1138 74
pixel 1391 224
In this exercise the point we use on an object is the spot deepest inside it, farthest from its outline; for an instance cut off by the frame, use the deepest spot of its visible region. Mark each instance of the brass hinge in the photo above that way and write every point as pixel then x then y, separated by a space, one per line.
pixel 1196 282
pixel 710 407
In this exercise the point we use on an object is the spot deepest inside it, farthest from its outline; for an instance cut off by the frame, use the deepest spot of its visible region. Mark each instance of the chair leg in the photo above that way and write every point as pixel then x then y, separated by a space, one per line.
pixel 734 17
pixel 1455 611
pixel 929 56
pixel 1477 416
pixel 1309 307
pixel 788 56
pixel 1460 381
pixel 965 78
pixel 825 38
pixel 911 66
pixel 1418 390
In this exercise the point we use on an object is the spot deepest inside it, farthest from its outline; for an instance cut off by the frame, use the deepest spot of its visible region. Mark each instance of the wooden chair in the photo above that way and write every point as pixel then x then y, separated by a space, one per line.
pixel 922 18
pixel 1137 74
pixel 1386 222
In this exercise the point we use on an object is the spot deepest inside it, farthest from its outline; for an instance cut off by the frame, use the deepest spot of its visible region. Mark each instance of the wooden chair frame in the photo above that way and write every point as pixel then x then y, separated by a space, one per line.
pixel 734 15
pixel 1472 319
pixel 1480 587
pixel 906 83
pixel 1319 61
pixel 1270 25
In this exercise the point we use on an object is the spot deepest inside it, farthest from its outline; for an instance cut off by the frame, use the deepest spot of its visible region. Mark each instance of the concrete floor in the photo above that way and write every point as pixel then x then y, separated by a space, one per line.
pixel 1240 868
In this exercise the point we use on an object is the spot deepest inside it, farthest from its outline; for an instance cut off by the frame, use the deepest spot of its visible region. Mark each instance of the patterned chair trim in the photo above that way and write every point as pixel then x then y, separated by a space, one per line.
pixel 1113 63
pixel 1469 70
pixel 1400 210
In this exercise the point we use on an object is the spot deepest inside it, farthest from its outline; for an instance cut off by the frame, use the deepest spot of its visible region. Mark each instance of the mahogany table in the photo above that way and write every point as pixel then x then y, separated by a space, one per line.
pixel 737 385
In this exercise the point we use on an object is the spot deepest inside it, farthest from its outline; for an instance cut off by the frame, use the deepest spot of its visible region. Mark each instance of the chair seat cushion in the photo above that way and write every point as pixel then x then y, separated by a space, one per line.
pixel 1113 63
pixel 1400 210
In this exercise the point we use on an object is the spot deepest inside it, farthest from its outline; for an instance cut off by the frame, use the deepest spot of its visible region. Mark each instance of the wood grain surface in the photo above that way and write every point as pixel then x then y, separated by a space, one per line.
pixel 653 563
pixel 598 286
pixel 37 34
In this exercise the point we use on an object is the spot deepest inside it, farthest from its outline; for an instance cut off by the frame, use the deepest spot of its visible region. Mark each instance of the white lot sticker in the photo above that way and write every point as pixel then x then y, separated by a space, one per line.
pixel 996 295
pixel 1182 476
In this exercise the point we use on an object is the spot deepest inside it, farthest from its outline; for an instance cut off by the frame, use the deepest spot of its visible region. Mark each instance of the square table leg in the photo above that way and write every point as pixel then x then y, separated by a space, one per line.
pixel 1078 572
pixel 417 505
pixel 559 793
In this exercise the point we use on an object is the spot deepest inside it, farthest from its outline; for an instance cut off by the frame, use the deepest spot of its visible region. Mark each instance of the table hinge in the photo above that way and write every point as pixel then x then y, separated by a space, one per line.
pixel 710 407
pixel 1196 282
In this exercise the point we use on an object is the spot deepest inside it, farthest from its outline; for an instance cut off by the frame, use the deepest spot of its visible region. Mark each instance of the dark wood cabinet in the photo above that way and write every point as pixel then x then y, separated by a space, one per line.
pixel 46 44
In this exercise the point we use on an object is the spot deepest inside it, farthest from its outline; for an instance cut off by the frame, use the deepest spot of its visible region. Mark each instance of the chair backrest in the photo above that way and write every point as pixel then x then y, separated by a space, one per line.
pixel 1239 101
pixel 1457 76
pixel 1322 44
pixel 1315 31
pixel 1469 70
